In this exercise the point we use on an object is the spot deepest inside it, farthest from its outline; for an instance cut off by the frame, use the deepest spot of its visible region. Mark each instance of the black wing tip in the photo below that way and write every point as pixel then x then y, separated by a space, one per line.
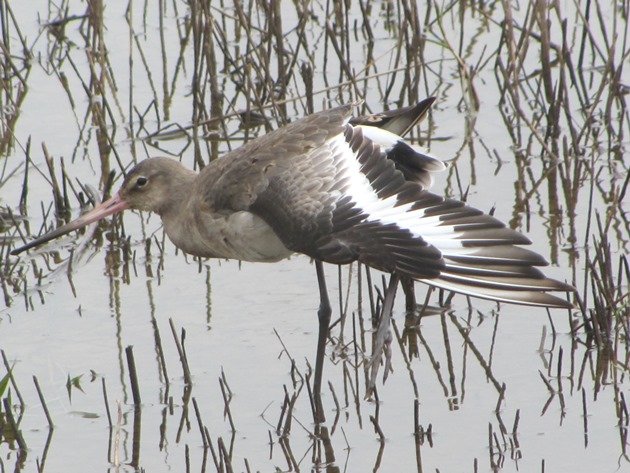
pixel 566 287
pixel 426 103
pixel 398 121
pixel 542 296
pixel 555 302
pixel 550 302
pixel 530 298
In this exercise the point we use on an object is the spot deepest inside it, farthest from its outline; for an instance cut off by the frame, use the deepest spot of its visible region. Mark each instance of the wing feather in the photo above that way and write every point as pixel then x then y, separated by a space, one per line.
pixel 331 190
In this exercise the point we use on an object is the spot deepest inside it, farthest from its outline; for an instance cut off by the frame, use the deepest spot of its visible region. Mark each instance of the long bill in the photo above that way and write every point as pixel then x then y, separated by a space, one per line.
pixel 109 207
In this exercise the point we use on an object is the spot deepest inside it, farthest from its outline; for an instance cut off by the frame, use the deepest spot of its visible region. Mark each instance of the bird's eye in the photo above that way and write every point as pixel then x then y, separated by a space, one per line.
pixel 141 182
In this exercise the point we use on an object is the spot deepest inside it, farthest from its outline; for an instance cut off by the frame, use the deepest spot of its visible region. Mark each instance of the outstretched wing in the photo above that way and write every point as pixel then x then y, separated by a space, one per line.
pixel 479 255
pixel 328 189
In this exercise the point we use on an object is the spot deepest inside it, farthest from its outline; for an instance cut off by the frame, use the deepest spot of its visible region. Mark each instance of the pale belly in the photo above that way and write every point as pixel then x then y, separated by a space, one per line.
pixel 241 235
pixel 252 239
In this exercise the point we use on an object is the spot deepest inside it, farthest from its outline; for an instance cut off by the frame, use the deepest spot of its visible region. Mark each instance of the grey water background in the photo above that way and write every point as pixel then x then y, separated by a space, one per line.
pixel 93 80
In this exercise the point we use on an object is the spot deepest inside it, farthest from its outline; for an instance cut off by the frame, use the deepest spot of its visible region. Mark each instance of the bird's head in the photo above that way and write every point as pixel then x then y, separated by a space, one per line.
pixel 154 185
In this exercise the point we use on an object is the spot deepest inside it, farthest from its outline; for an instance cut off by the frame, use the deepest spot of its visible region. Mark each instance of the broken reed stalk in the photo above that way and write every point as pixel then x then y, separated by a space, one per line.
pixel 43 401
pixel 334 395
pixel 25 183
pixel 283 410
pixel 227 461
pixel 517 418
pixel 105 400
pixel 377 429
pixel 60 209
pixel 288 422
pixel 133 376
pixel 200 423
pixel 182 354
pixel 226 404
pixel 8 411
pixel 12 378
pixel 213 452
pixel 584 417
pixel 158 346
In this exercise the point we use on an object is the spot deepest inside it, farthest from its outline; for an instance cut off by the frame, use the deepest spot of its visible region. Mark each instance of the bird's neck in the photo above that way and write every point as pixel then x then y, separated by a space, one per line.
pixel 183 214
pixel 179 193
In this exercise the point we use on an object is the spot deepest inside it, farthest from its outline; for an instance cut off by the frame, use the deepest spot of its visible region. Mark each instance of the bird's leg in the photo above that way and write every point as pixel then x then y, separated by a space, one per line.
pixel 383 340
pixel 323 315
pixel 410 294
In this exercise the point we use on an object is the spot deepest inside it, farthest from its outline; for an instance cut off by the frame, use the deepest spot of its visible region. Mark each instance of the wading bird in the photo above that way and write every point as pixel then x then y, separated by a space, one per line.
pixel 338 189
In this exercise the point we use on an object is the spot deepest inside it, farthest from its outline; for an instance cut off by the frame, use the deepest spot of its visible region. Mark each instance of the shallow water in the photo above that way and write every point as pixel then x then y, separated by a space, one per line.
pixel 249 321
